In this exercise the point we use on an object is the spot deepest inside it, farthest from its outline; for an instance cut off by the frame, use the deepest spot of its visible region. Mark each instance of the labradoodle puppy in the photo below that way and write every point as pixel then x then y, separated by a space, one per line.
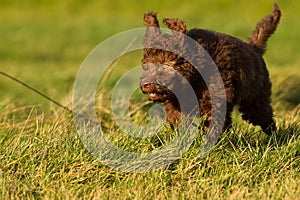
pixel 245 78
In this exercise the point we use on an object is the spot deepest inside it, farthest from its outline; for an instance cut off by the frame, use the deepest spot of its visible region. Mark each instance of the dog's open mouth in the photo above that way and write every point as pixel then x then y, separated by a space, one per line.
pixel 157 96
pixel 155 92
pixel 153 96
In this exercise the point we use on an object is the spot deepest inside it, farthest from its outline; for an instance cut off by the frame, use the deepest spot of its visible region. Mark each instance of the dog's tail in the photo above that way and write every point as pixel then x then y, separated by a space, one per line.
pixel 264 29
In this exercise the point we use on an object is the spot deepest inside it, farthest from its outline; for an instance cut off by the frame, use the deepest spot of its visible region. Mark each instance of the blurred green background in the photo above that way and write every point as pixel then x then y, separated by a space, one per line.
pixel 43 42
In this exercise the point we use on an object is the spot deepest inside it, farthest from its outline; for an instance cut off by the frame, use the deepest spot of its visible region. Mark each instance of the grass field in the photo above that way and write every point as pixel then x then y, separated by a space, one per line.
pixel 44 43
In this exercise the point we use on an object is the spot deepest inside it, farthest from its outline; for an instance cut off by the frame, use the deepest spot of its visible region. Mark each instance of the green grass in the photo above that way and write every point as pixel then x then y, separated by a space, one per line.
pixel 41 155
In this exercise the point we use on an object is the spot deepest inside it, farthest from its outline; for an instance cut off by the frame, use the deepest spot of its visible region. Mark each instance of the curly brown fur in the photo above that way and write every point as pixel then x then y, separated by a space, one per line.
pixel 240 64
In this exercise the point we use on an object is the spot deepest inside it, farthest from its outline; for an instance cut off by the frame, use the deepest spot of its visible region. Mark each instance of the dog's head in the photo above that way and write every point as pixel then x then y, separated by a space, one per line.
pixel 165 71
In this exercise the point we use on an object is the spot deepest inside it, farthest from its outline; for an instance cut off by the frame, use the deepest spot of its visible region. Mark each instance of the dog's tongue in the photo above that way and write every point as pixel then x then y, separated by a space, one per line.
pixel 152 95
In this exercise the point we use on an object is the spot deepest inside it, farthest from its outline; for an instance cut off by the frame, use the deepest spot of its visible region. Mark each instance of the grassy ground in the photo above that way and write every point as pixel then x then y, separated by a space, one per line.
pixel 41 154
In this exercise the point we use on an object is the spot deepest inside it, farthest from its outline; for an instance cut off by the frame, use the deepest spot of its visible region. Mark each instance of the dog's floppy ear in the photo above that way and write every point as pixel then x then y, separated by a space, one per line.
pixel 150 19
pixel 152 24
pixel 178 28
pixel 175 24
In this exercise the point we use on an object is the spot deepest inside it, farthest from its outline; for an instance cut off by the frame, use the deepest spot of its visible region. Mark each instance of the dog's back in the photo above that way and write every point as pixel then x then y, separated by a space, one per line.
pixel 210 40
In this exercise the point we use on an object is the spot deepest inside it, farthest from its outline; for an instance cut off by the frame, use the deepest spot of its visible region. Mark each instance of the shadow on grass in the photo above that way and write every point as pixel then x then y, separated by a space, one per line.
pixel 248 136
pixel 287 92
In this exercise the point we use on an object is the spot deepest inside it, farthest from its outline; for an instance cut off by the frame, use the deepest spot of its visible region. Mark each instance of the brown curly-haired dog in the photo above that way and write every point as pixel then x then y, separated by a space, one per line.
pixel 240 64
